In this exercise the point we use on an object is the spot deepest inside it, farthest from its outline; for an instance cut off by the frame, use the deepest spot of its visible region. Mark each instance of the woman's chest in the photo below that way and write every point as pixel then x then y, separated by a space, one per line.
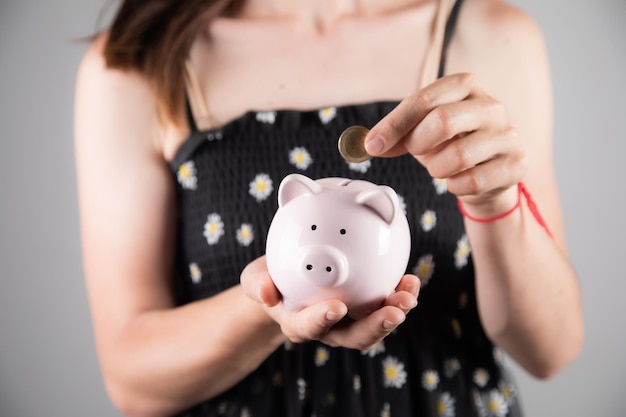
pixel 244 66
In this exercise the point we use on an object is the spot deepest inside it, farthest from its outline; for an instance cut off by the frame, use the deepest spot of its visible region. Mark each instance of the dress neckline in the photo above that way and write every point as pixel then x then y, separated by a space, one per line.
pixel 283 121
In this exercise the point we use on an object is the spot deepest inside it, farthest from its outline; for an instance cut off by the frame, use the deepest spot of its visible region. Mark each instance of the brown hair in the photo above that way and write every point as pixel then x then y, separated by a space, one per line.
pixel 154 37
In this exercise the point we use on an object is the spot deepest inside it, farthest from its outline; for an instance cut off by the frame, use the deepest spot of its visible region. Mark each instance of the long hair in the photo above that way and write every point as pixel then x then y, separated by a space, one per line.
pixel 154 37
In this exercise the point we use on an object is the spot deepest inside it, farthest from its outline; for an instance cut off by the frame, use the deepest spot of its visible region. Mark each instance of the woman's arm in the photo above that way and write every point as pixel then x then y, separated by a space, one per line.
pixel 528 294
pixel 156 359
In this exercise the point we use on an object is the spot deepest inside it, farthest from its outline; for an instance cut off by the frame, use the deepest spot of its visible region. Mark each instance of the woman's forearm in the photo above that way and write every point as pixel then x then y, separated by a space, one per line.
pixel 528 295
pixel 166 360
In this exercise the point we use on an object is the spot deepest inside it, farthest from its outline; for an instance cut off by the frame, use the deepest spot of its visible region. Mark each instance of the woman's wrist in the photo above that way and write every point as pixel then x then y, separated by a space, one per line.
pixel 522 194
pixel 260 319
pixel 493 209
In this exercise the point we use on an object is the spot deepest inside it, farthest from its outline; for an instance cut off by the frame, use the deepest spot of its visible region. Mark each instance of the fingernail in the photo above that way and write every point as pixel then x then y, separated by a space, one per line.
pixel 334 316
pixel 412 304
pixel 374 146
pixel 389 325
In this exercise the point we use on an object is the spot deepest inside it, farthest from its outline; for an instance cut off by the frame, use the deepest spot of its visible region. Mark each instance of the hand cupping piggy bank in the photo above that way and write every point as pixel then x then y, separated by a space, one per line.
pixel 336 238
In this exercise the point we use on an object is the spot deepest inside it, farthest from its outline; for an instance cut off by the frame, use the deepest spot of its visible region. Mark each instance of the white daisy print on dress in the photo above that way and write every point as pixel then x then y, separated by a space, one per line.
pixel 195 273
pixel 300 158
pixel 494 404
pixel 430 380
pixel 261 187
pixel 361 167
pixel 213 228
pixel 424 268
pixel 451 367
pixel 441 185
pixel 301 388
pixel 445 405
pixel 245 234
pixel 393 372
pixel 402 203
pixel 428 220
pixel 375 349
pixel 498 355
pixel 268 117
pixel 356 384
pixel 507 391
pixel 481 377
pixel 321 356
pixel 327 114
pixel 478 402
pixel 386 411
pixel 222 407
pixel 462 252
pixel 187 175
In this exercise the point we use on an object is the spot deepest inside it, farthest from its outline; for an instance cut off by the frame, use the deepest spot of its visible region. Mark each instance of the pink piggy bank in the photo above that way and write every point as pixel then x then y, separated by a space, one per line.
pixel 337 238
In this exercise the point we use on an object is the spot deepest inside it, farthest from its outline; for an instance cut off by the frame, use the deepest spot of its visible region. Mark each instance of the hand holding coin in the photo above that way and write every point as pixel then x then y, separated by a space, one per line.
pixel 352 144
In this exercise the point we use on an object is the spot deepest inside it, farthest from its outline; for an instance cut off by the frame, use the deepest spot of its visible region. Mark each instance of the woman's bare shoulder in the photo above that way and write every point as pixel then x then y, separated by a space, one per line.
pixel 95 74
pixel 113 86
pixel 499 42
pixel 498 14
pixel 122 102
pixel 498 28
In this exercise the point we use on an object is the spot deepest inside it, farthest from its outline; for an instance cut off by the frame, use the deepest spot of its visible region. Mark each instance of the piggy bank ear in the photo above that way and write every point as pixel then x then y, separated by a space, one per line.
pixel 294 186
pixel 382 199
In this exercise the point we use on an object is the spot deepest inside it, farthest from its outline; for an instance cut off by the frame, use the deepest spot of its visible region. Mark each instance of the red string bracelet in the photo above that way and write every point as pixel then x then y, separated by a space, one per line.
pixel 521 191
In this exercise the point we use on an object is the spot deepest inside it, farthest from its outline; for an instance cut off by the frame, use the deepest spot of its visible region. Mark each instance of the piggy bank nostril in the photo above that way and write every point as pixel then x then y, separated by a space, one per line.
pixel 309 267
pixel 328 269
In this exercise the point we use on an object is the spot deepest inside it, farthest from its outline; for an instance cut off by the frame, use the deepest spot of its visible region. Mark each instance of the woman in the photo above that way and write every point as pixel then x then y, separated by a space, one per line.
pixel 188 114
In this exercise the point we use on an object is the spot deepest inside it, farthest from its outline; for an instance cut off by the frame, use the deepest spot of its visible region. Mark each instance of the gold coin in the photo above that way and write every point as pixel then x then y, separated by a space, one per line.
pixel 352 144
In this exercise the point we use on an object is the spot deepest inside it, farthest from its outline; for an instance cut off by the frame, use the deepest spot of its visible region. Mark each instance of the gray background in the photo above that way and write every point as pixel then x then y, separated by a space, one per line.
pixel 48 365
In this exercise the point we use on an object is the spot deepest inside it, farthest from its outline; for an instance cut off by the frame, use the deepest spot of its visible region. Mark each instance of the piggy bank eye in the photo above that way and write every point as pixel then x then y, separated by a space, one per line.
pixel 313 227
pixel 342 231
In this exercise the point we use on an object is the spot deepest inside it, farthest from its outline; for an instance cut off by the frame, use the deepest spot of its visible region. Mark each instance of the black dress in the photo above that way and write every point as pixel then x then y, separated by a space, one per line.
pixel 439 362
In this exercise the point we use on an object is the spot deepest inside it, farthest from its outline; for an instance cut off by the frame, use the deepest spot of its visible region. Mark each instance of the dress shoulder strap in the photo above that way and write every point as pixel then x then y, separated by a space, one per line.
pixel 442 30
pixel 198 118
pixel 197 111
pixel 449 33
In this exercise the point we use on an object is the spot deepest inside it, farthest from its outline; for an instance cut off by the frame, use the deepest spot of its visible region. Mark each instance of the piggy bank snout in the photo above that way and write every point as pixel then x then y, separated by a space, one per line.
pixel 323 265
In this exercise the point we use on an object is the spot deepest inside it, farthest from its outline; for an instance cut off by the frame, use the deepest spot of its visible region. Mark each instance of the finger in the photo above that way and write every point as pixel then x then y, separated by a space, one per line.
pixel 267 292
pixel 390 130
pixel 450 120
pixel 487 180
pixel 364 333
pixel 405 296
pixel 403 300
pixel 257 283
pixel 409 283
pixel 313 322
pixel 467 151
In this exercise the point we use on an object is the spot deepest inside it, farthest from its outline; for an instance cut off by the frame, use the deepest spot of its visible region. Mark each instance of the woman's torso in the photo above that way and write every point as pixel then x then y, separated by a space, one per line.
pixel 439 362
